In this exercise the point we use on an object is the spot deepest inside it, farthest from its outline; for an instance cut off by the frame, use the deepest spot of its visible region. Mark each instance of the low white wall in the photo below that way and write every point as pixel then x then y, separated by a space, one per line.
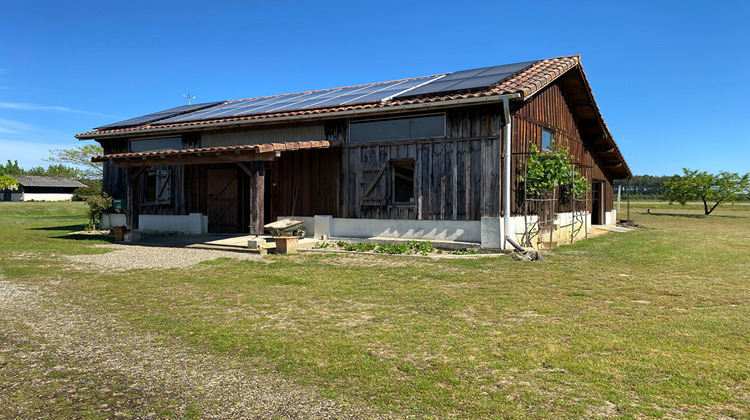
pixel 193 223
pixel 46 197
pixel 610 218
pixel 110 220
pixel 437 230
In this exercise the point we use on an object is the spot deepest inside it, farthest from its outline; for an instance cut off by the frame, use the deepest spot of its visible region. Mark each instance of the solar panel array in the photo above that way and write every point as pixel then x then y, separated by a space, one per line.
pixel 468 79
pixel 158 115
pixel 326 98
pixel 461 80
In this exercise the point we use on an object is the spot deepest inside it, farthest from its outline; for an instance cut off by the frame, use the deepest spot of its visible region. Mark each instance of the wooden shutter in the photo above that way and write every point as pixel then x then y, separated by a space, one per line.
pixel 374 182
pixel 163 186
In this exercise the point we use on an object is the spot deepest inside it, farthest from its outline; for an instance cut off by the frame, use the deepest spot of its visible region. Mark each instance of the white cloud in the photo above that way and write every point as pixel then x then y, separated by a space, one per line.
pixel 14 127
pixel 35 107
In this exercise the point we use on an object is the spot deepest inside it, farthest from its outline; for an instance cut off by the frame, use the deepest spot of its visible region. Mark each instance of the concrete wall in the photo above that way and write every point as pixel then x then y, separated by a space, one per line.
pixel 194 223
pixel 45 197
pixel 110 220
pixel 437 230
pixel 610 218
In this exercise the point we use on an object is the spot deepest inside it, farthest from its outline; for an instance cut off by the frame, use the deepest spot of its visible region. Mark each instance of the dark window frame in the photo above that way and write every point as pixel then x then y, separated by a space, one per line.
pixel 410 120
pixel 396 179
pixel 149 191
pixel 551 145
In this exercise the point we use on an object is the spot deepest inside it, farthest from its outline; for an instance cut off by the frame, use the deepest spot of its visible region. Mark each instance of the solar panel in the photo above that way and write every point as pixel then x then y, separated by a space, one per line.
pixel 461 80
pixel 468 79
pixel 158 115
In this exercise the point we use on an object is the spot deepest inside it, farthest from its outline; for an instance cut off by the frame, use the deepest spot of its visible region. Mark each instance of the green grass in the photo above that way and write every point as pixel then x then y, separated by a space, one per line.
pixel 651 323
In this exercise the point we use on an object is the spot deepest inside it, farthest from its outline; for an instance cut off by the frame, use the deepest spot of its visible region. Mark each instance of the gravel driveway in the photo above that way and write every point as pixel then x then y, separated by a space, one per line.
pixel 43 338
pixel 127 257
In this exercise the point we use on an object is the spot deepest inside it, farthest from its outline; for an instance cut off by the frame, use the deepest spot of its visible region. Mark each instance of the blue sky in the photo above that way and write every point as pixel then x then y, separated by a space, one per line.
pixel 670 77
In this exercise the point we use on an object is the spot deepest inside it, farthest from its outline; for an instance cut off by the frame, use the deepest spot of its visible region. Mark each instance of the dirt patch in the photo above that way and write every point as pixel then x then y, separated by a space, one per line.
pixel 68 352
pixel 129 257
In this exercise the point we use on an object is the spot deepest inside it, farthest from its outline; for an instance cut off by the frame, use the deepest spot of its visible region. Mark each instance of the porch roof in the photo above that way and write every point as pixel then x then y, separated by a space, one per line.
pixel 243 153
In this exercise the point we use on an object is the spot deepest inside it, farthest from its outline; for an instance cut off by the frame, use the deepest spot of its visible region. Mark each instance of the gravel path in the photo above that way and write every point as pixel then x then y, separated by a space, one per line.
pixel 127 257
pixel 103 353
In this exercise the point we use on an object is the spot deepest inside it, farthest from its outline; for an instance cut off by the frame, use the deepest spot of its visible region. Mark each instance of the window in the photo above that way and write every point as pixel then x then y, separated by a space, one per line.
pixel 397 129
pixel 151 187
pixel 157 186
pixel 150 145
pixel 403 182
pixel 547 139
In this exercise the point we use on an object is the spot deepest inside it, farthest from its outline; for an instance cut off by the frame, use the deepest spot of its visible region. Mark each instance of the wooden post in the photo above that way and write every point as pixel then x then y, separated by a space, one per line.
pixel 257 184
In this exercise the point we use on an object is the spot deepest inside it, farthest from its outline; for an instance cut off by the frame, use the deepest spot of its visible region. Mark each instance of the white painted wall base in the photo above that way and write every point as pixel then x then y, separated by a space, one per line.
pixel 193 223
pixel 610 218
pixel 110 220
pixel 46 197
pixel 438 230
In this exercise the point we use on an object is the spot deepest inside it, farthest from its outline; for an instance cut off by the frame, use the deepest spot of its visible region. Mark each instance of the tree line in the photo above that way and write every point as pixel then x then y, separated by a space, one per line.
pixel 652 187
pixel 74 163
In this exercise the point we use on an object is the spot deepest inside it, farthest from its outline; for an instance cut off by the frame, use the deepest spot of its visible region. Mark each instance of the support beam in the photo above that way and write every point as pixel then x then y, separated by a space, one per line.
pixel 257 171
pixel 195 159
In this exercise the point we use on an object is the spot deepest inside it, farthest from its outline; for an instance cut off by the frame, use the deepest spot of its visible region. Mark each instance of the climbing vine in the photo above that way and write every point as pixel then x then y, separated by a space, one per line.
pixel 547 171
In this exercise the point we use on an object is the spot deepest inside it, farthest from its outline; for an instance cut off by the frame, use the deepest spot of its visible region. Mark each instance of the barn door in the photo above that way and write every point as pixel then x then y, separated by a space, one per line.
pixel 374 186
pixel 223 202
pixel 596 203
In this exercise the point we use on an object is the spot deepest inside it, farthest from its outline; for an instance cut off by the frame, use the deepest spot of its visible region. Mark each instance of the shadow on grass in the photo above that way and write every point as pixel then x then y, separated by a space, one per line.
pixel 693 216
pixel 69 228
pixel 82 237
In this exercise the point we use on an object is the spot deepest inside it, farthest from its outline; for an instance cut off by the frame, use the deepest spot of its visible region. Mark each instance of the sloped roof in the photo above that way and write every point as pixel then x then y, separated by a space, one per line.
pixel 525 82
pixel 245 148
pixel 47 181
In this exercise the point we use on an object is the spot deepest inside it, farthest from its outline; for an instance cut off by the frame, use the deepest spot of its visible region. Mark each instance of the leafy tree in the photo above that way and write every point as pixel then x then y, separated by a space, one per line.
pixel 11 168
pixel 724 187
pixel 80 156
pixel 60 171
pixel 7 182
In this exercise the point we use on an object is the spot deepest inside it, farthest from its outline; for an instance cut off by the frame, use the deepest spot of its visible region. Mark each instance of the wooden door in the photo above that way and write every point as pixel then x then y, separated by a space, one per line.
pixel 596 203
pixel 223 201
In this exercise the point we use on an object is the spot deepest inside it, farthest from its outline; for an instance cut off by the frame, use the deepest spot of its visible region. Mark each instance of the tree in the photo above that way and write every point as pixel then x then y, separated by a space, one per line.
pixel 7 182
pixel 59 171
pixel 11 168
pixel 723 187
pixel 80 156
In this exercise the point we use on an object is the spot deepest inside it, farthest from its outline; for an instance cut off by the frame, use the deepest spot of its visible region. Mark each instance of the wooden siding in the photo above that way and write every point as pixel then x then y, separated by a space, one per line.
pixel 456 177
pixel 550 109
pixel 313 174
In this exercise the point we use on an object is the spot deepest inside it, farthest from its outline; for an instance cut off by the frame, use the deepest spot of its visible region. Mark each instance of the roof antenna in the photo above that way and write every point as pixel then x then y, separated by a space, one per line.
pixel 189 97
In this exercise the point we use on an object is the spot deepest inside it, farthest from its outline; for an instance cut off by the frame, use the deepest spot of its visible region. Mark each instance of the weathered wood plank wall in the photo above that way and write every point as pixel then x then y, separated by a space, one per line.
pixel 456 177
pixel 314 175
pixel 551 110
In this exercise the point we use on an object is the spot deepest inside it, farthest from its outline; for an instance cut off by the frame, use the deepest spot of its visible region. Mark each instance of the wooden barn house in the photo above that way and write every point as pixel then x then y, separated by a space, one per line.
pixel 437 157
pixel 41 188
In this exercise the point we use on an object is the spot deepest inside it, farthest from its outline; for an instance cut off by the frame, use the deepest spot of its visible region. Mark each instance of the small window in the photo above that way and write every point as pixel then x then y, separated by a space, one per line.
pixel 397 129
pixel 151 145
pixel 403 182
pixel 150 187
pixel 547 139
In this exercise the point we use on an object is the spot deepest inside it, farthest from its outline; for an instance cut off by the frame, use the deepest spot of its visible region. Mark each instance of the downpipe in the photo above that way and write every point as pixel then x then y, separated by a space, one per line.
pixel 506 192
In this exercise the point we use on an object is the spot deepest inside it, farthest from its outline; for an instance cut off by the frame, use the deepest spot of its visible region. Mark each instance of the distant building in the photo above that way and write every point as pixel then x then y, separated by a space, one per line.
pixel 41 188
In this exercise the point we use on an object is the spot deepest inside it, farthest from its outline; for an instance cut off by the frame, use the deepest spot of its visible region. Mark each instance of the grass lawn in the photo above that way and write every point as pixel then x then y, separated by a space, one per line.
pixel 650 323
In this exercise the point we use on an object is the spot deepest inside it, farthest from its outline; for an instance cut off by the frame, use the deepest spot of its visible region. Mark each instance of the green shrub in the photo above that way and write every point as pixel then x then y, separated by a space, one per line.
pixel 96 206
